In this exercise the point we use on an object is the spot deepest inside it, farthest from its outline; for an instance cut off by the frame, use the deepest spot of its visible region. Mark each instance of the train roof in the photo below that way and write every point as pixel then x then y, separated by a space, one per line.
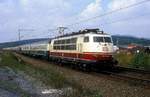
pixel 43 41
pixel 39 42
pixel 86 31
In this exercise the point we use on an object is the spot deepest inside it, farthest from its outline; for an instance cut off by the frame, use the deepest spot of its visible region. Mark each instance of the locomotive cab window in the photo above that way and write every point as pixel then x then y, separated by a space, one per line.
pixel 86 39
pixel 98 39
pixel 102 39
pixel 107 39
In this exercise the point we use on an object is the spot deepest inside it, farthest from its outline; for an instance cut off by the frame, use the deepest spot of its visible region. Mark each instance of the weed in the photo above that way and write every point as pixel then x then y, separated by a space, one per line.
pixel 140 60
pixel 124 59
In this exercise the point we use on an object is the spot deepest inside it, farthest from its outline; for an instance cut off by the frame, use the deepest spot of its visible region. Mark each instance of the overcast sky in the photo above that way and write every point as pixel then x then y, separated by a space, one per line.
pixel 42 15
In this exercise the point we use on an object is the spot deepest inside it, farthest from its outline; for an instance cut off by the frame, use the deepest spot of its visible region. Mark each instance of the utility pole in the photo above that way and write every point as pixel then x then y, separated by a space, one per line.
pixel 117 42
pixel 19 32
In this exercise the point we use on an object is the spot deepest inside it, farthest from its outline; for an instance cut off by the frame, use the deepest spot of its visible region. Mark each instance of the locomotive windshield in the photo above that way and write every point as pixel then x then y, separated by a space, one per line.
pixel 107 39
pixel 102 39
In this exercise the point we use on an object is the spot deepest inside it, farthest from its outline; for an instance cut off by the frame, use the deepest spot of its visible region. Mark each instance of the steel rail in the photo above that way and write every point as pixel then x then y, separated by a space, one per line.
pixel 132 70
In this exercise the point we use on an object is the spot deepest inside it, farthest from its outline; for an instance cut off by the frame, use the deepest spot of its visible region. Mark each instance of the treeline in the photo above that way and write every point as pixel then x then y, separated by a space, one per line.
pixel 125 40
pixel 122 40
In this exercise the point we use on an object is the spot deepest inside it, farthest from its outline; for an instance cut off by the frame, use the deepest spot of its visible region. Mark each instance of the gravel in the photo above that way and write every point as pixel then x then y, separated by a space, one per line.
pixel 5 93
pixel 14 84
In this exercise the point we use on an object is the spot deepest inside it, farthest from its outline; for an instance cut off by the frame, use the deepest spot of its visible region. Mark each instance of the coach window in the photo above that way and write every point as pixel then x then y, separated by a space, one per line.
pixel 62 47
pixel 54 47
pixel 59 41
pixel 63 42
pixel 58 47
pixel 73 47
pixel 86 39
pixel 73 40
pixel 55 42
pixel 68 41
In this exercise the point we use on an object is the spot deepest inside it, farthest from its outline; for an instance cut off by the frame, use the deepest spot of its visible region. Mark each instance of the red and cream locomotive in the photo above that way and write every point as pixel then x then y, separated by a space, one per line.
pixel 87 47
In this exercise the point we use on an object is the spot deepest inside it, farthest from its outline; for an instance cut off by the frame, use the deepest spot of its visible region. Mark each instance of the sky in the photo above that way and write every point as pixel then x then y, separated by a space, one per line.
pixel 38 18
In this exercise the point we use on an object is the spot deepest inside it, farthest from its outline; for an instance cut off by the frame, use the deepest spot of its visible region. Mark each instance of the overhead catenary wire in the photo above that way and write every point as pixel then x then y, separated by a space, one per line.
pixel 45 34
pixel 41 34
pixel 110 12
pixel 125 19
pixel 101 15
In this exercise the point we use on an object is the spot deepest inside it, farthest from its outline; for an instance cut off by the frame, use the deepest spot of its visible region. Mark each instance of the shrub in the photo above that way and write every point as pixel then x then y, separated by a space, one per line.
pixel 141 60
pixel 124 58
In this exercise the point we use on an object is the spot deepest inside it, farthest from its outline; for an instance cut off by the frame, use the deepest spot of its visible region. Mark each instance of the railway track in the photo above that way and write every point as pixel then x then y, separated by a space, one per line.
pixel 133 70
pixel 137 76
pixel 129 74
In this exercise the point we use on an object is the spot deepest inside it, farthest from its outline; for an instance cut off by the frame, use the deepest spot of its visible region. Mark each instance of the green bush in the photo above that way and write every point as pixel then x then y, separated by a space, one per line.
pixel 141 61
pixel 124 59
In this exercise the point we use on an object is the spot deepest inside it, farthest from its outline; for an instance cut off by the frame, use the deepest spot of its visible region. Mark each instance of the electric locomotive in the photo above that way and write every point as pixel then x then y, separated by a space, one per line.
pixel 90 47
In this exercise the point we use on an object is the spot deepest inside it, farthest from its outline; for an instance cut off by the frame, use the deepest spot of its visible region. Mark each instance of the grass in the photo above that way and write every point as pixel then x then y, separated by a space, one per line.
pixel 124 58
pixel 48 76
pixel 140 60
